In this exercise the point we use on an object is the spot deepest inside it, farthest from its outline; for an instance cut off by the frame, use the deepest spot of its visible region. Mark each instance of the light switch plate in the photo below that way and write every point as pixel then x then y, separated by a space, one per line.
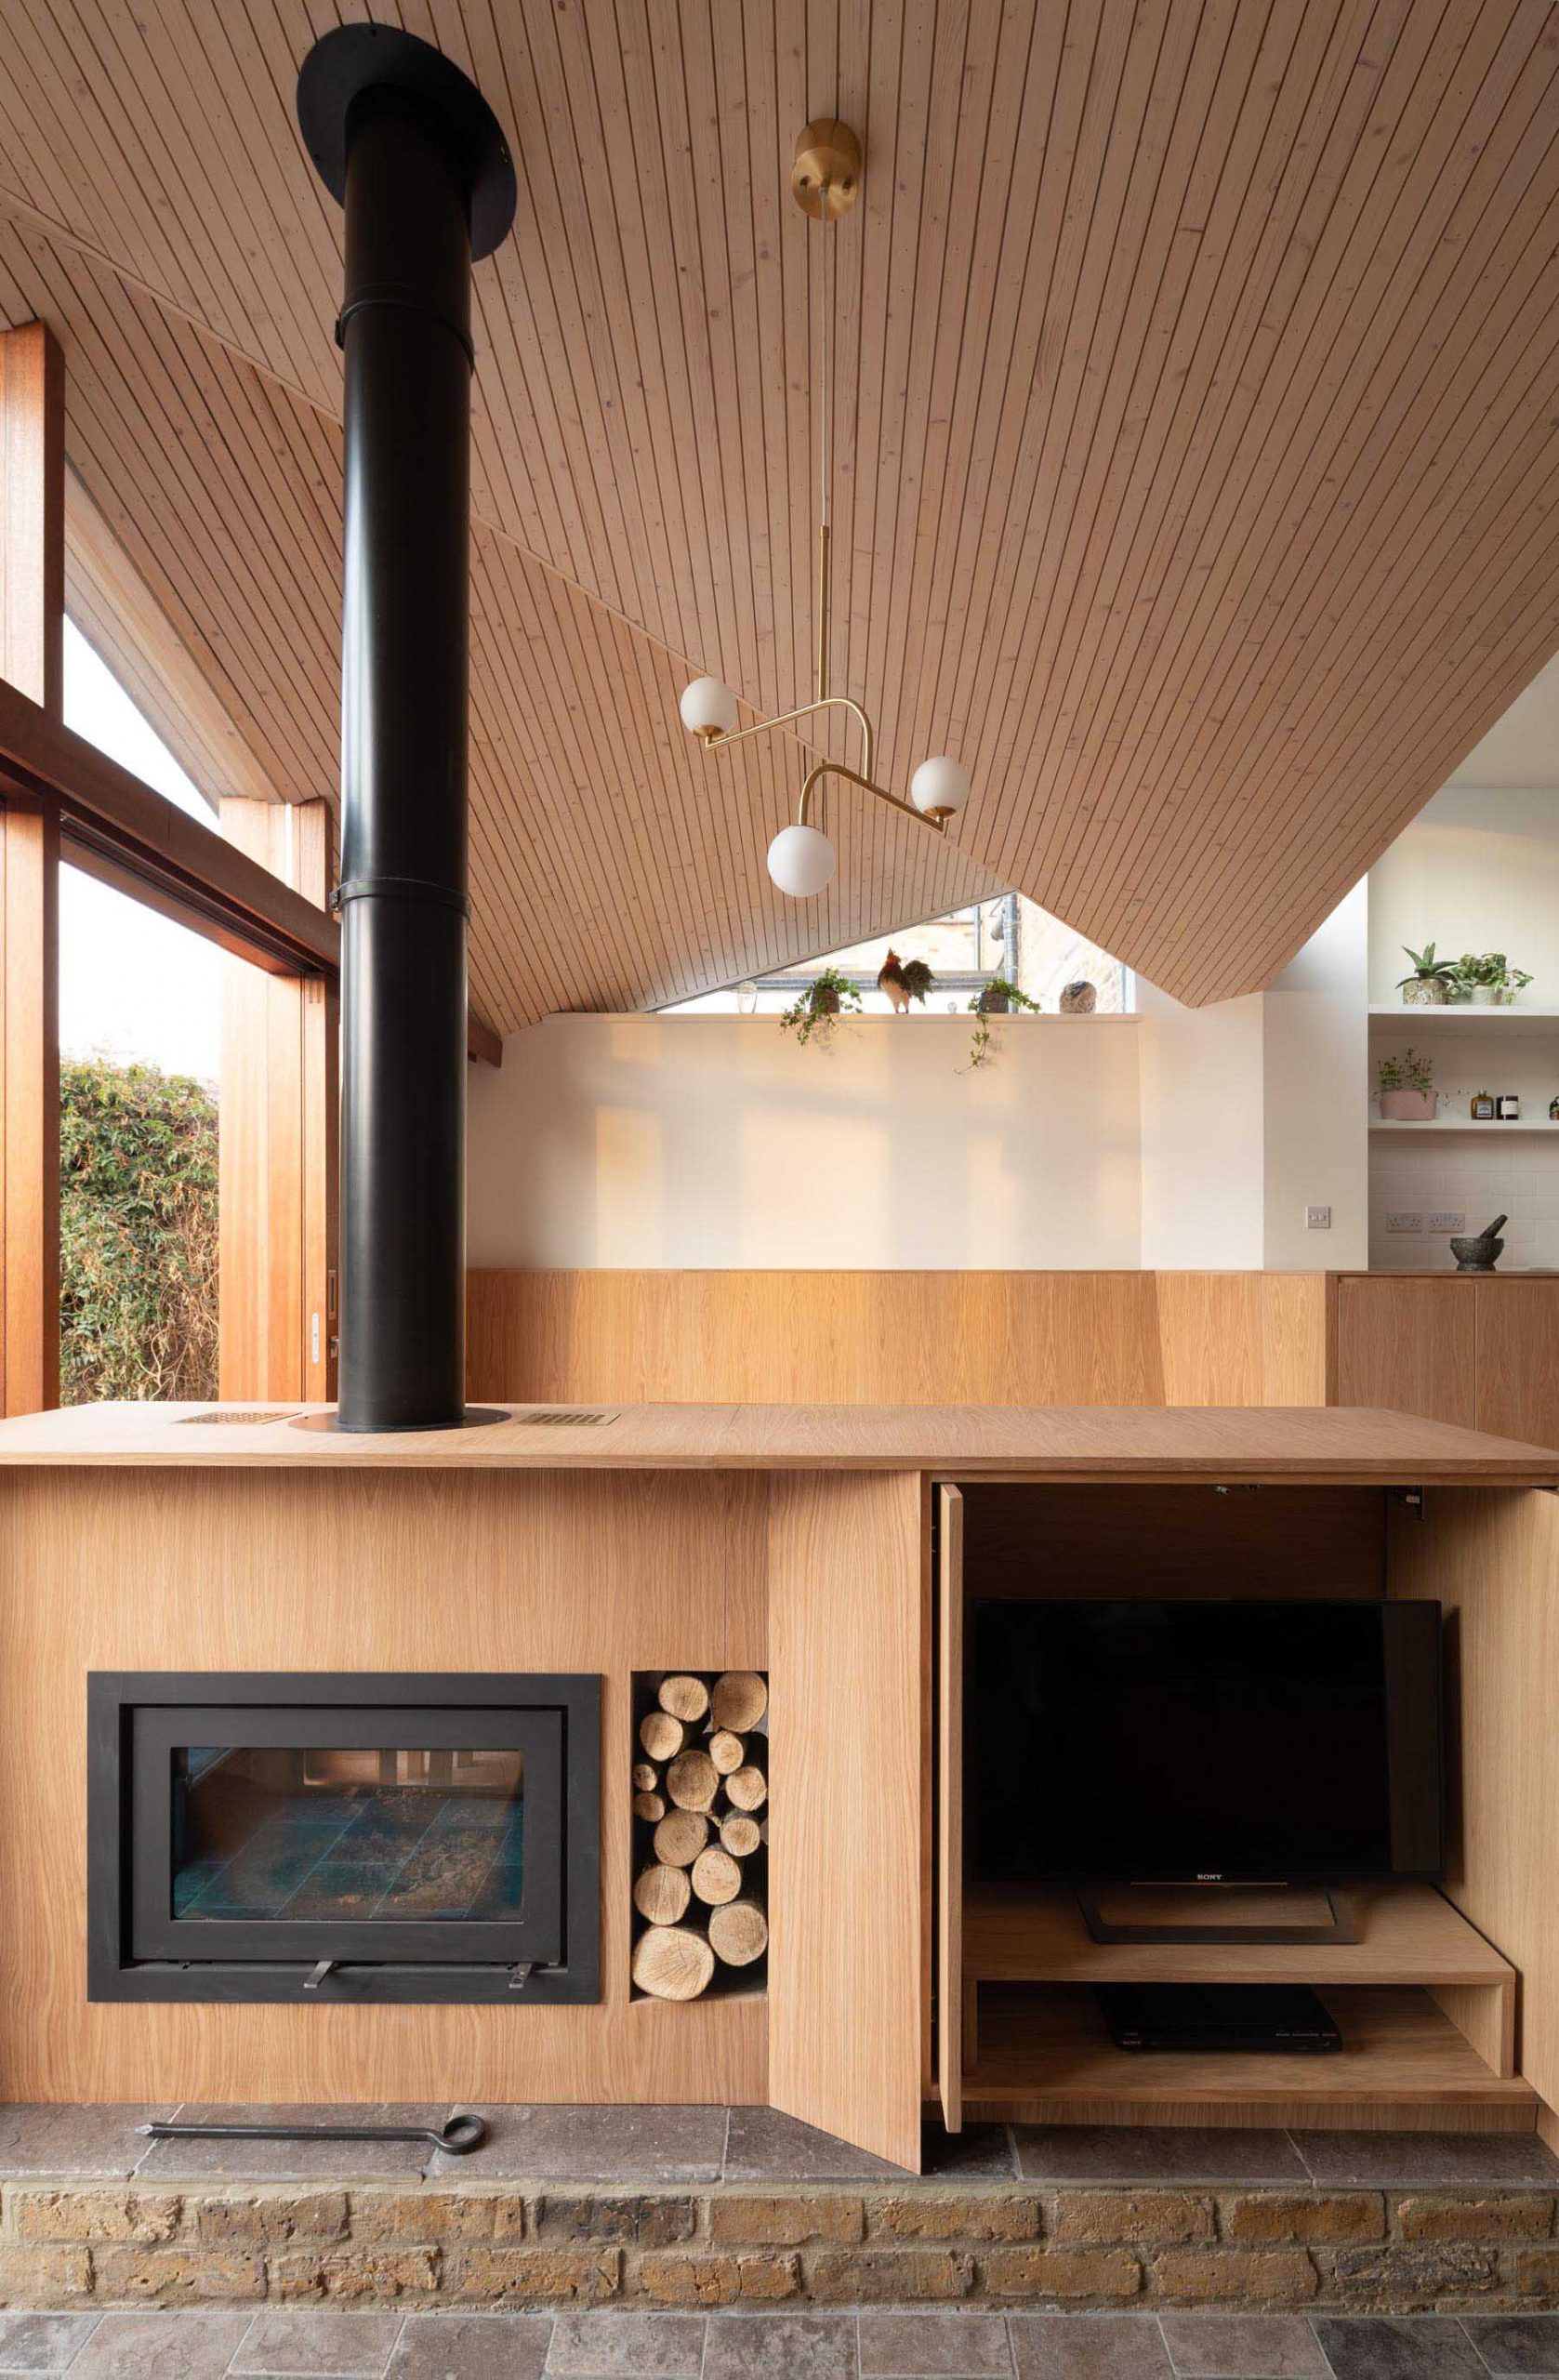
pixel 1405 1223
pixel 1318 1219
pixel 1447 1221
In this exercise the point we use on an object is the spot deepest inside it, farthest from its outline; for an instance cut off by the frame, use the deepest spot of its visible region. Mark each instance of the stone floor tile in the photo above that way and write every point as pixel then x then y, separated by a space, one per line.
pixel 781 2347
pixel 344 2347
pixel 1154 2153
pixel 1432 2347
pixel 929 2345
pixel 41 2342
pixel 78 2144
pixel 983 2152
pixel 1373 2160
pixel 1088 2346
pixel 628 2144
pixel 624 2345
pixel 763 2146
pixel 293 2161
pixel 1515 2343
pixel 195 2343
pixel 1243 2346
pixel 471 2347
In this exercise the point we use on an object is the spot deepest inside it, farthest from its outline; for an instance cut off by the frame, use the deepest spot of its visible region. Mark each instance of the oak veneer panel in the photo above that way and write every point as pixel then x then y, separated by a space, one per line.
pixel 1517 1368
pixel 1492 1559
pixel 226 1570
pixel 1409 1344
pixel 949 1807
pixel 1046 2057
pixel 846 1662
pixel 1170 1541
pixel 1140 1445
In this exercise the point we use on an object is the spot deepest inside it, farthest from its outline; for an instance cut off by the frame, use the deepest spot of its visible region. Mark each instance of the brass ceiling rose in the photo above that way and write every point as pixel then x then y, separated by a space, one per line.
pixel 826 177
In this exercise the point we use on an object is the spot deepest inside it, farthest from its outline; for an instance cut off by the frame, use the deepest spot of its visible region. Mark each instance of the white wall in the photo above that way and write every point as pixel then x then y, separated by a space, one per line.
pixel 1478 869
pixel 713 1141
pixel 1202 1133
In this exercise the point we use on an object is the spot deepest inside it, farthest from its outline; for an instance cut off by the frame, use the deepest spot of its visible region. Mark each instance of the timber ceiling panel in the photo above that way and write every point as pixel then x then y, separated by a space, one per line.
pixel 1195 453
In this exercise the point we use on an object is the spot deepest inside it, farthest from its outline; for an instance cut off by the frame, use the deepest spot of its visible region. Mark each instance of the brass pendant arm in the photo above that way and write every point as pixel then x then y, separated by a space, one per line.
pixel 836 769
pixel 804 710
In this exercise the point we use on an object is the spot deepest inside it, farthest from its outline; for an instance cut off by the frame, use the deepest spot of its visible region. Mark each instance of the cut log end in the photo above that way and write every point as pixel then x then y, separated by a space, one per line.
pixel 671 1962
pixel 679 1837
pixel 716 1877
pixel 646 1777
pixel 740 1835
pixel 739 1701
pixel 727 1751
pixel 662 1894
pixel 651 1807
pixel 686 1697
pixel 746 1789
pixel 693 1781
pixel 661 1735
pixel 738 1933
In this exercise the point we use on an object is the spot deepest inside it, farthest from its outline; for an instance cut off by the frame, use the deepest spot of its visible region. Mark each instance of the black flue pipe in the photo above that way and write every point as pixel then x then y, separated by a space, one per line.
pixel 409 146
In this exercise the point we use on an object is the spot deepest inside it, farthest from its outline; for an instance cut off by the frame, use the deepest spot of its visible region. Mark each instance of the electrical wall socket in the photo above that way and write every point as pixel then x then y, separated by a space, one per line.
pixel 1447 1221
pixel 1405 1223
pixel 1318 1219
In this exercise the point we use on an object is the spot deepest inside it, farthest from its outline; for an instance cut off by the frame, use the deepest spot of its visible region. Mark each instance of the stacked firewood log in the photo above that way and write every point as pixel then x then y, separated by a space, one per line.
pixel 700 1807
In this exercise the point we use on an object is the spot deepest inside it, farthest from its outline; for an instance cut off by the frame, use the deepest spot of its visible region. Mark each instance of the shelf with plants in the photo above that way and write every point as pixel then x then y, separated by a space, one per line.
pixel 1442 1124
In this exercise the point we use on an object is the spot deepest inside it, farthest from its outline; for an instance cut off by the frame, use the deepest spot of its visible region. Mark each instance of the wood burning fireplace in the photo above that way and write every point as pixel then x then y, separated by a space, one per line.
pixel 343 1837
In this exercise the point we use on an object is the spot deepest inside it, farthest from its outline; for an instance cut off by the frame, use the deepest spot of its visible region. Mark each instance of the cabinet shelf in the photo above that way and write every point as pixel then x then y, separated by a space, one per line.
pixel 1493 1130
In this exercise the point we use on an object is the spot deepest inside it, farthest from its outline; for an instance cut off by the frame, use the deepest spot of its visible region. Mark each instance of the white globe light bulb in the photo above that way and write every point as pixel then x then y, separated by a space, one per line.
pixel 707 708
pixel 939 784
pixel 802 861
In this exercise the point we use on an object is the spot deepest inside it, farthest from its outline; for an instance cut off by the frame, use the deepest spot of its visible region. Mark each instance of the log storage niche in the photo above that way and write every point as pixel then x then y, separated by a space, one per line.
pixel 700 1777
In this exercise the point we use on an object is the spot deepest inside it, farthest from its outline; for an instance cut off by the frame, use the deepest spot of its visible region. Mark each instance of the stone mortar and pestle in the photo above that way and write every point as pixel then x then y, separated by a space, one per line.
pixel 1478 1252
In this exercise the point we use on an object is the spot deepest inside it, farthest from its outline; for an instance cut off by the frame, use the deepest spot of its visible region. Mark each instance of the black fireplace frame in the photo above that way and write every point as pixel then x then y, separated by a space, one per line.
pixel 551 1954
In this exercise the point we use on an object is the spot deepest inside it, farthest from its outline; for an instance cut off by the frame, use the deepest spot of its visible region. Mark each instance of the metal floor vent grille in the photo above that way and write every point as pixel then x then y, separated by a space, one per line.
pixel 282 1413
pixel 561 1417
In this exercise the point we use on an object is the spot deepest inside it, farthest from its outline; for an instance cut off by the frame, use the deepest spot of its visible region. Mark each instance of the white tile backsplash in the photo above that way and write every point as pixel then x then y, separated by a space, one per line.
pixel 1518 1174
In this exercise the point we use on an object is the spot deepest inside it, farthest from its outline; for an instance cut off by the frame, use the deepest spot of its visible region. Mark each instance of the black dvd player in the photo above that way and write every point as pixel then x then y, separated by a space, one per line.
pixel 1279 2020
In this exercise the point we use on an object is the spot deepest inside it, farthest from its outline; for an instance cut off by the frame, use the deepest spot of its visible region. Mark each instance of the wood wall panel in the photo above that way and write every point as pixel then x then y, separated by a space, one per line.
pixel 1407 1344
pixel 1517 1368
pixel 849 1974
pixel 599 1573
pixel 1492 1559
pixel 1195 455
pixel 899 1338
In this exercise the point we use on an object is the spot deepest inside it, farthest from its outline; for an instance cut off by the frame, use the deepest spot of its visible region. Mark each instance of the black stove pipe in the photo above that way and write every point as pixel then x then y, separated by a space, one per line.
pixel 407 142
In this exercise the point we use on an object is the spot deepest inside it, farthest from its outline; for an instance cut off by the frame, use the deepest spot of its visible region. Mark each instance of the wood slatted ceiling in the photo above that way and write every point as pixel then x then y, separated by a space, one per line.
pixel 1194 468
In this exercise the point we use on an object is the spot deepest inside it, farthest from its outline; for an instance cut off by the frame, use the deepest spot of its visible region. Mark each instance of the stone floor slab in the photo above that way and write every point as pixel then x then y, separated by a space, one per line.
pixel 613 2346
pixel 1377 2160
pixel 1154 2153
pixel 1243 2346
pixel 341 2346
pixel 32 2342
pixel 781 2347
pixel 192 2344
pixel 1431 2348
pixel 471 2347
pixel 1515 2343
pixel 293 2160
pixel 579 2144
pixel 81 2144
pixel 934 2347
pixel 1088 2346
pixel 764 2145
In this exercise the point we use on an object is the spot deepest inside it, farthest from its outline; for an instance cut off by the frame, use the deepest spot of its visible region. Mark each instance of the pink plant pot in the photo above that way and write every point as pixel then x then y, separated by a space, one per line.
pixel 1408 1106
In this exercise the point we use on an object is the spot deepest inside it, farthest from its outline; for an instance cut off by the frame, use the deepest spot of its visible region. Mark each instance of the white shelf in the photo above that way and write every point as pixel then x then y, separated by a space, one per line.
pixel 1494 1130
pixel 1465 1014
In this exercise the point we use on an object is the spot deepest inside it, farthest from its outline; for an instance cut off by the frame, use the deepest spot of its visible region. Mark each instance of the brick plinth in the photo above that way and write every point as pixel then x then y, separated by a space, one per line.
pixel 791 2244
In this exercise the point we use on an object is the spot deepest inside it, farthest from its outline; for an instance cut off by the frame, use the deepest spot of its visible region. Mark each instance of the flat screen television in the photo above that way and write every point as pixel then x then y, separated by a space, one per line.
pixel 1211 1742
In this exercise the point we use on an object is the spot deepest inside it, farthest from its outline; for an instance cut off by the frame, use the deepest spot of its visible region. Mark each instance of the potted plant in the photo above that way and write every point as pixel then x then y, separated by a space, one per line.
pixel 1428 985
pixel 814 1010
pixel 1487 979
pixel 998 997
pixel 1406 1089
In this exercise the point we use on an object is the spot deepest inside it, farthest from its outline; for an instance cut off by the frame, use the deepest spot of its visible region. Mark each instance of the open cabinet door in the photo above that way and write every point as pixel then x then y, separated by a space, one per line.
pixel 949 1806
pixel 848 1648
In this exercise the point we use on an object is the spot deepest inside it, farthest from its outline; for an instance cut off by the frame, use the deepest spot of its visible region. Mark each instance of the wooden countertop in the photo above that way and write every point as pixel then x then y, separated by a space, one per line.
pixel 1340 1443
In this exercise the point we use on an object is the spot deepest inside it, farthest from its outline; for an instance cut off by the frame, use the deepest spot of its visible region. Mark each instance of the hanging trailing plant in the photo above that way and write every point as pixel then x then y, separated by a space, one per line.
pixel 815 1009
pixel 998 997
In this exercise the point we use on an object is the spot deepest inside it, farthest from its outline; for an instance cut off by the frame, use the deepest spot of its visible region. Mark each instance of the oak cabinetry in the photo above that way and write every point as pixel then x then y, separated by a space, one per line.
pixel 1480 1351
